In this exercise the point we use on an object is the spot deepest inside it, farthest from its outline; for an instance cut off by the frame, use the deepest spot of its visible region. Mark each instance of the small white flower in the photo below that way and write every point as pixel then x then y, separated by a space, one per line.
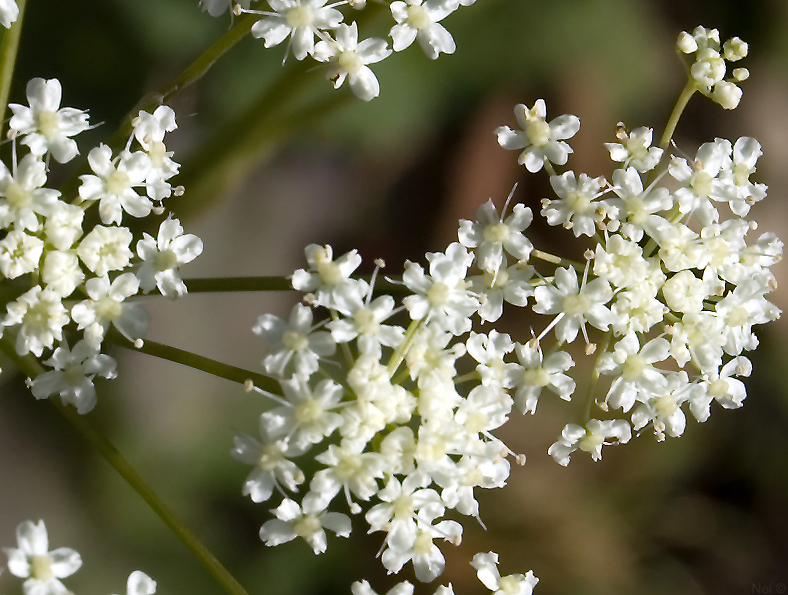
pixel 46 128
pixel 301 20
pixel 635 149
pixel 577 208
pixel 490 235
pixel 105 249
pixel 294 346
pixel 163 256
pixel 41 317
pixel 72 377
pixel 107 305
pixel 486 566
pixel 330 279
pixel 9 12
pixel 539 140
pixel 20 253
pixel 24 199
pixel 307 522
pixel 114 185
pixel 140 583
pixel 574 304
pixel 418 20
pixel 348 58
pixel 590 438
pixel 32 560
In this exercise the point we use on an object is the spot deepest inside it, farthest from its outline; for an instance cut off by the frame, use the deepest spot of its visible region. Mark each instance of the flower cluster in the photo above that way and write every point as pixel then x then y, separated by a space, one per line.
pixel 320 31
pixel 400 417
pixel 707 72
pixel 42 569
pixel 63 279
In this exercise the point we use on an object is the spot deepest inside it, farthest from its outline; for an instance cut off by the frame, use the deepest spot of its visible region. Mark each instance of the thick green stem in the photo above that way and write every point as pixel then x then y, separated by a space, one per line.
pixel 30 366
pixel 8 53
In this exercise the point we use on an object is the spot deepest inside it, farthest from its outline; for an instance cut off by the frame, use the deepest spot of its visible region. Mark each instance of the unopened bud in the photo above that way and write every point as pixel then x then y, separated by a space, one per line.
pixel 735 49
pixel 686 43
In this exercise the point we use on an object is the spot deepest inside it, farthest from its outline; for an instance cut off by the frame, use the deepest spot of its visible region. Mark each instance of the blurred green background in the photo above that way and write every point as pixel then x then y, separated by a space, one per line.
pixel 707 513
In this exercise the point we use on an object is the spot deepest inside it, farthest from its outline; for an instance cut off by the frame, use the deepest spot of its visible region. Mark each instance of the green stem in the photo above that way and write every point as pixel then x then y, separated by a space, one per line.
pixel 8 53
pixel 198 362
pixel 30 366
pixel 678 109
pixel 128 473
pixel 594 378
pixel 399 354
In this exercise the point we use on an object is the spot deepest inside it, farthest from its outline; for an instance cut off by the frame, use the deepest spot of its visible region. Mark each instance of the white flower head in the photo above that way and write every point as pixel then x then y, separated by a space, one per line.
pixel 300 20
pixel 486 566
pixel 418 20
pixel 32 560
pixel 348 58
pixel 163 256
pixel 46 128
pixel 9 12
pixel 308 521
pixel 539 140
pixel 73 373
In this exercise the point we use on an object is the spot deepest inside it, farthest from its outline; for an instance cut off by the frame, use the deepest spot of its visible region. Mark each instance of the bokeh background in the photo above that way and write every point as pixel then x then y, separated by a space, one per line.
pixel 268 172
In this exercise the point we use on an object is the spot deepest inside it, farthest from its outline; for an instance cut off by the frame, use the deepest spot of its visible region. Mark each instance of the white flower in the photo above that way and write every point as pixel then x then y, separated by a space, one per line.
pixel 20 253
pixel 363 588
pixel 140 583
pixel 330 279
pixel 538 372
pixel 293 346
pixel 32 560
pixel 41 317
pixel 486 566
pixel 63 225
pixel 107 305
pixel 541 141
pixel 635 149
pixel 9 12
pixel 418 546
pixel 272 468
pixel 149 130
pixel 301 20
pixel 442 296
pixel 46 128
pixel 308 522
pixel 61 272
pixel 306 417
pixel 114 185
pixel 72 377
pixel 105 249
pixel 364 324
pixel 576 209
pixel 417 20
pixel 589 439
pixel 162 257
pixel 574 304
pixel 663 409
pixel 348 58
pixel 491 235
pixel 24 199
pixel 635 378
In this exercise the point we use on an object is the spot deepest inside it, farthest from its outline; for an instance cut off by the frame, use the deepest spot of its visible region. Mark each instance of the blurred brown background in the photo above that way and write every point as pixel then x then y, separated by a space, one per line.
pixel 707 513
